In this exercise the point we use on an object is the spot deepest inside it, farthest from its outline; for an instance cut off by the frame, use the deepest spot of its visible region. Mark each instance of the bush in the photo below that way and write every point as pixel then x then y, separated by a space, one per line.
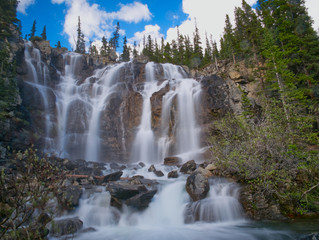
pixel 270 157
pixel 26 189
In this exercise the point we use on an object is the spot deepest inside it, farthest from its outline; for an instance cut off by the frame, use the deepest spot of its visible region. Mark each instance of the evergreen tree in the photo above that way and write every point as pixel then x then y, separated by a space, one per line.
pixel 80 43
pixel 167 53
pixel 227 43
pixel 198 51
pixel 126 53
pixel 114 41
pixel 135 53
pixel 44 33
pixel 8 17
pixel 104 47
pixel 188 51
pixel 33 30
pixel 58 45
pixel 208 53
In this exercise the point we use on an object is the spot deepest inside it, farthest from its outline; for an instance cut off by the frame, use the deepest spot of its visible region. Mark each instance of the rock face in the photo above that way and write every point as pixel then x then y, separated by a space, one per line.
pixel 258 207
pixel 197 186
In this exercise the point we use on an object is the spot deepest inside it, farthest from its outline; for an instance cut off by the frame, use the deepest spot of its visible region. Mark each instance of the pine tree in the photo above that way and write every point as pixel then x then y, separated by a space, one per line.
pixel 198 51
pixel 44 33
pixel 80 43
pixel 208 53
pixel 8 17
pixel 126 53
pixel 135 53
pixel 58 45
pixel 33 30
pixel 114 41
pixel 104 47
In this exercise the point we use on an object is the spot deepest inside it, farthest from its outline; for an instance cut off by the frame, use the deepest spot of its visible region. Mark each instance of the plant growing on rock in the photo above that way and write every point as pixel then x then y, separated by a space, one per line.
pixel 27 187
pixel 271 157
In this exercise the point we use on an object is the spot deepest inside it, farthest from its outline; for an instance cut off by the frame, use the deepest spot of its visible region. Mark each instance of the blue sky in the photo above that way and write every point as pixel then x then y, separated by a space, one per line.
pixel 137 18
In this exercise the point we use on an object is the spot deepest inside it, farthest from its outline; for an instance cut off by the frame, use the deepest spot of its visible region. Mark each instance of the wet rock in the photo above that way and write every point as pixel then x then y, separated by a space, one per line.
pixel 152 168
pixel 204 172
pixel 123 190
pixel 113 177
pixel 141 164
pixel 188 167
pixel 65 226
pixel 197 186
pixel 172 161
pixel 159 173
pixel 142 200
pixel 172 174
pixel 70 197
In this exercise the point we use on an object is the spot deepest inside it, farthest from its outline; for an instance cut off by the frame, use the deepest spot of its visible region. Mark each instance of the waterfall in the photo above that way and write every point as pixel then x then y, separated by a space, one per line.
pixel 221 205
pixel 37 78
pixel 144 148
pixel 148 148
pixel 80 106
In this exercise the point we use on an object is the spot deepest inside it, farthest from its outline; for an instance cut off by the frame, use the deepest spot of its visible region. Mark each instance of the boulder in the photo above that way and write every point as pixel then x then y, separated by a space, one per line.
pixel 113 177
pixel 197 186
pixel 172 161
pixel 204 172
pixel 65 226
pixel 152 168
pixel 142 200
pixel 159 173
pixel 188 167
pixel 123 190
pixel 172 174
pixel 70 197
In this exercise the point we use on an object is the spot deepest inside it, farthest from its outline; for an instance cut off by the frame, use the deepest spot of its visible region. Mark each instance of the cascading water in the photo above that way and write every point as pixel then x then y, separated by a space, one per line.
pixel 38 74
pixel 217 217
pixel 81 105
pixel 148 148
pixel 144 148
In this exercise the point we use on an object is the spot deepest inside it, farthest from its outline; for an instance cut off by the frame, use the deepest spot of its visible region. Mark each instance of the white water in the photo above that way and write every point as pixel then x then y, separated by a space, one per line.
pixel 38 74
pixel 220 216
pixel 150 149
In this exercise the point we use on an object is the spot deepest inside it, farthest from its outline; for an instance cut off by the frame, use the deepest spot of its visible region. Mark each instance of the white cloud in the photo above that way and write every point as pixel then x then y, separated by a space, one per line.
pixel 23 5
pixel 210 17
pixel 96 22
pixel 313 6
pixel 153 30
pixel 133 12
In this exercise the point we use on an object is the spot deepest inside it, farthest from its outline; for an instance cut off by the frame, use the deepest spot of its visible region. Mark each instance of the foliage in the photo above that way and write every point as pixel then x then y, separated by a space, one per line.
pixel 25 194
pixel 268 154
pixel 8 18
